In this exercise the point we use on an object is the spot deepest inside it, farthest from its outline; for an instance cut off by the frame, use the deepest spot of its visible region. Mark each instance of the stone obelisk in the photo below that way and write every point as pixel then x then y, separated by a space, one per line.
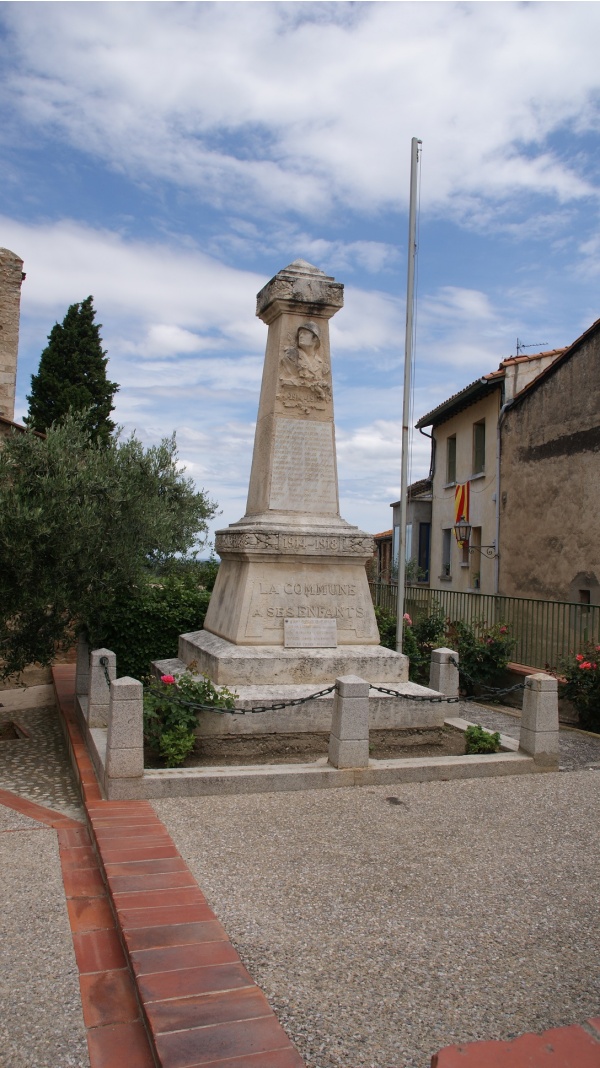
pixel 292 581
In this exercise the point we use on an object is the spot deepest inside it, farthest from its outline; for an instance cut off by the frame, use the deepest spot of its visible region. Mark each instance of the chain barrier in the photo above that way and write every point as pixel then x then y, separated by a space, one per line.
pixel 491 692
pixel 276 707
pixel 418 698
pixel 104 664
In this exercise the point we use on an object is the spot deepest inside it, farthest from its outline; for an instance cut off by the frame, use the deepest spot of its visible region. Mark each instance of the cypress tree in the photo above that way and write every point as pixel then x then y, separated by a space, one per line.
pixel 72 375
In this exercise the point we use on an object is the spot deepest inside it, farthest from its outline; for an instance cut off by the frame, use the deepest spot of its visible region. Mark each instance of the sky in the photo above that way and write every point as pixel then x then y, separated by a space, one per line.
pixel 170 158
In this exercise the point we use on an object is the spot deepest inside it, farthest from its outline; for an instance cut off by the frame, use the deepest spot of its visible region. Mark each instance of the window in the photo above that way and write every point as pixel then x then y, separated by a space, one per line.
pixel 446 550
pixel 451 459
pixel 478 448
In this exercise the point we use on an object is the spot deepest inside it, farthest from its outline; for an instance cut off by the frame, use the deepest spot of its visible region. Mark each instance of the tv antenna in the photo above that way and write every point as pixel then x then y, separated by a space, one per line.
pixel 536 345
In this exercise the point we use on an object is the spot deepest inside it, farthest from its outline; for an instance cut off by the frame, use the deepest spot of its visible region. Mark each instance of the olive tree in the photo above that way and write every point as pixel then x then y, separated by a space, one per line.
pixel 81 524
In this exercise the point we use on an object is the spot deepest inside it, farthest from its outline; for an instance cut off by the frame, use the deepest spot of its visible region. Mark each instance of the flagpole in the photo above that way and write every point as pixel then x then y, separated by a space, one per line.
pixel 408 340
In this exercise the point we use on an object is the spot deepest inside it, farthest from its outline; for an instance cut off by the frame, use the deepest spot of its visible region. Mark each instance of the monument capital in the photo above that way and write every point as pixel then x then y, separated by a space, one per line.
pixel 301 289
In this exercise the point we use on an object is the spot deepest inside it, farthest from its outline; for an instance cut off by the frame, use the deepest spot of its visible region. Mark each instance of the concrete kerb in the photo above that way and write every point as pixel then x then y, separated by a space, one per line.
pixel 122 776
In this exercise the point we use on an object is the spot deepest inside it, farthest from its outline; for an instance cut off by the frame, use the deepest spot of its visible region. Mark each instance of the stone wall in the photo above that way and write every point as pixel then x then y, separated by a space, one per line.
pixel 11 277
pixel 550 483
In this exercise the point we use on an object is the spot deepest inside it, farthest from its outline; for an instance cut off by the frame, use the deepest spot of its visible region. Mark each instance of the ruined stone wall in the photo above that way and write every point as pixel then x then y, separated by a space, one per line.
pixel 550 484
pixel 11 277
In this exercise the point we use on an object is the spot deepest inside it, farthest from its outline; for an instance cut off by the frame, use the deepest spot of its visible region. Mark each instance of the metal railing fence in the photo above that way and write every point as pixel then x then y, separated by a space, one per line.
pixel 546 632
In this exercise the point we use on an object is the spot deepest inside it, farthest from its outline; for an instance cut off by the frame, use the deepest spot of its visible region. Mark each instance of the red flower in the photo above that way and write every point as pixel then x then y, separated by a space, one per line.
pixel 580 657
pixel 504 630
pixel 586 665
pixel 167 679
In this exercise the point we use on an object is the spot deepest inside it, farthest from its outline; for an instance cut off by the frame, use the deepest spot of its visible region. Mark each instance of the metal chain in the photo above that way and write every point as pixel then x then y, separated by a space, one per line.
pixel 104 664
pixel 278 705
pixel 417 696
pixel 258 708
pixel 490 691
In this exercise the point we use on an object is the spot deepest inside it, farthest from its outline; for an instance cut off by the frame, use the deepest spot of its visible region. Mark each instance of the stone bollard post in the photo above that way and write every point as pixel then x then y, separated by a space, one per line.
pixel 99 692
pixel 349 738
pixel 443 674
pixel 125 740
pixel 539 720
pixel 82 670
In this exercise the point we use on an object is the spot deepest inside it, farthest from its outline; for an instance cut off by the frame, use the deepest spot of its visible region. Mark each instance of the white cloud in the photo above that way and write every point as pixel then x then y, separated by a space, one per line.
pixel 278 108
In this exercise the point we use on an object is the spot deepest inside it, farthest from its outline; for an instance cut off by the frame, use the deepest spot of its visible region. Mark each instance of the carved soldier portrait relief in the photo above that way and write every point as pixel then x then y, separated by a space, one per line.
pixel 304 375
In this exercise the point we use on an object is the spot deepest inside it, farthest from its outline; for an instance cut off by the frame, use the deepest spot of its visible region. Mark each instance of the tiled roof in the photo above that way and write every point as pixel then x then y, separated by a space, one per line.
pixel 480 387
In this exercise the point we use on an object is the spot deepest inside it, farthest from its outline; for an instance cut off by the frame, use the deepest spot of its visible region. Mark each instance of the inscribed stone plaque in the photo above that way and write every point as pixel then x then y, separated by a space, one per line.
pixel 304 475
pixel 310 633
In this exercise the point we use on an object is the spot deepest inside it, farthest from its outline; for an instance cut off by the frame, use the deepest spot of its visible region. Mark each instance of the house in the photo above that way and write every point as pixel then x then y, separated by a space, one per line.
pixel 550 480
pixel 418 531
pixel 465 474
pixel 382 569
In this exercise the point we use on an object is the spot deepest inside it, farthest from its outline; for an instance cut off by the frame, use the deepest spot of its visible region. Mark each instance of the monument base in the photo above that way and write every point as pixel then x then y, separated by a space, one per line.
pixel 232 665
pixel 265 675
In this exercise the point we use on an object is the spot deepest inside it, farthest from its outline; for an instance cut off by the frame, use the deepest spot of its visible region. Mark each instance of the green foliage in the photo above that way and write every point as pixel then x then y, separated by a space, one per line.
pixel 175 745
pixel 191 571
pixel 146 621
pixel 483 653
pixel 386 623
pixel 478 740
pixel 428 633
pixel 582 684
pixel 72 376
pixel 418 639
pixel 82 525
pixel 171 713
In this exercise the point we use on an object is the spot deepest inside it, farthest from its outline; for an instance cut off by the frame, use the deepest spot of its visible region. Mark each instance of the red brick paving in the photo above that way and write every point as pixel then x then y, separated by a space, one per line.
pixel 561 1047
pixel 199 1004
pixel 108 992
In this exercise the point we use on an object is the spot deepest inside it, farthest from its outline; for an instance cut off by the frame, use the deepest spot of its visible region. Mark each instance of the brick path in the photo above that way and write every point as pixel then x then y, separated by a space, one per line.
pixel 199 1004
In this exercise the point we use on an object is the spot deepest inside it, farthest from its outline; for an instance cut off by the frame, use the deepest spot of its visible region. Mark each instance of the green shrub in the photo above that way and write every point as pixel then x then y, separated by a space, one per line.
pixel 418 639
pixel 386 622
pixel 478 740
pixel 175 745
pixel 483 653
pixel 582 684
pixel 147 621
pixel 171 713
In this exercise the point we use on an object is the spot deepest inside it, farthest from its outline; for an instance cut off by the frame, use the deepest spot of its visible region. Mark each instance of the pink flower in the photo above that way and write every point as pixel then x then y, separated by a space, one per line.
pixel 586 665
pixel 504 630
pixel 407 619
pixel 580 657
pixel 167 679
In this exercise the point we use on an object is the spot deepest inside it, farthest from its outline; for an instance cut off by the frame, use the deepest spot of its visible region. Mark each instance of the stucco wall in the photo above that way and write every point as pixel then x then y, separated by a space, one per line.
pixel 550 484
pixel 483 487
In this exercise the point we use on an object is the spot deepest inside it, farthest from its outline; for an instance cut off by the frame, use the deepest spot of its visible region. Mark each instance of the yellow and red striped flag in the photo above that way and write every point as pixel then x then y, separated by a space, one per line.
pixel 461 502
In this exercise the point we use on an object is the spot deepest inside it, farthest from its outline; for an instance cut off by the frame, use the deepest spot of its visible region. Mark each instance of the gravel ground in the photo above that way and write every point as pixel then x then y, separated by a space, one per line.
pixel 578 749
pixel 386 922
pixel 38 767
pixel 41 1023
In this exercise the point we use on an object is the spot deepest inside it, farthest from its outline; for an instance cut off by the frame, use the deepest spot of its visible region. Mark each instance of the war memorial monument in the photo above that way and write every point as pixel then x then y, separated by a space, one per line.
pixel 291 608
